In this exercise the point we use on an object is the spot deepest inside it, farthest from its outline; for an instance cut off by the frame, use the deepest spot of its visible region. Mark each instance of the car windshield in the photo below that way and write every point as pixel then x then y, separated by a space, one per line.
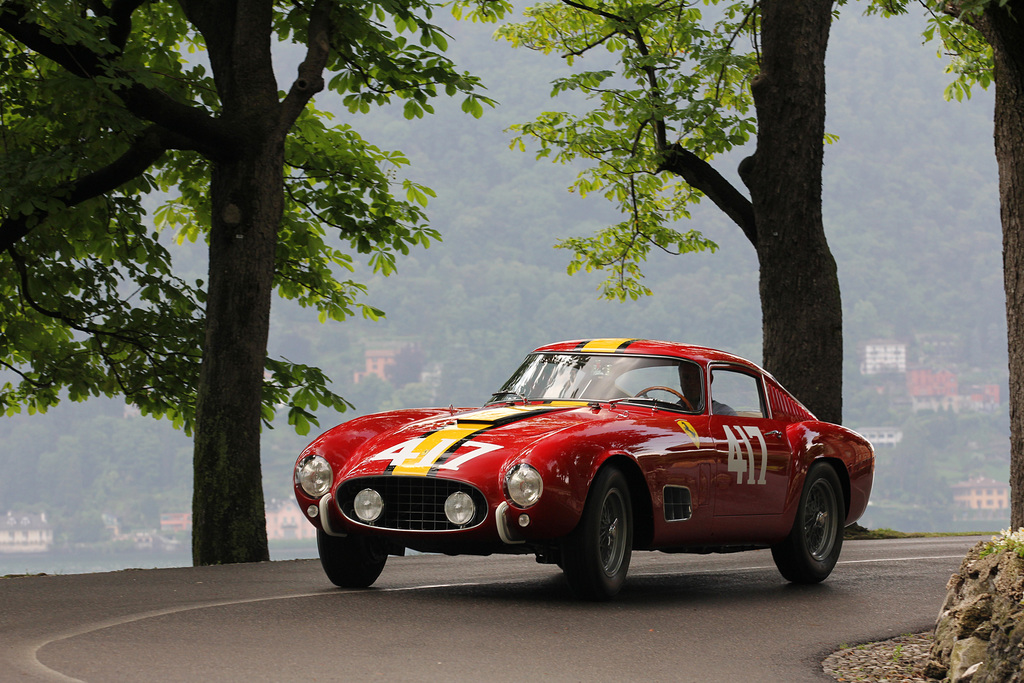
pixel 603 377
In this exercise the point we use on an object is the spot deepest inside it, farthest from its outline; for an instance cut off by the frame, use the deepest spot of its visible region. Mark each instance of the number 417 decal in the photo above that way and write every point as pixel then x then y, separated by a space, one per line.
pixel 741 453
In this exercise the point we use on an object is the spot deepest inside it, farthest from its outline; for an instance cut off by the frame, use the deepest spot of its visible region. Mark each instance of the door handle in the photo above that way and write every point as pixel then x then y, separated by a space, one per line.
pixel 774 432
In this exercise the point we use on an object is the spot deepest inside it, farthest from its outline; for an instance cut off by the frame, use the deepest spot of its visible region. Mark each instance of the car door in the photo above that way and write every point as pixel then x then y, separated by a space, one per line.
pixel 752 454
pixel 674 449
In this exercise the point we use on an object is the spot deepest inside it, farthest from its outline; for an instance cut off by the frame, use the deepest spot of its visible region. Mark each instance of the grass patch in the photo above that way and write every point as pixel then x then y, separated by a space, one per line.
pixel 19 576
pixel 855 532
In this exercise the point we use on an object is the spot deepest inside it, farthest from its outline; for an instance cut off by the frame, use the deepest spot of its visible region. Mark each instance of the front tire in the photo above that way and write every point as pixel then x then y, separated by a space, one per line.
pixel 811 550
pixel 351 561
pixel 595 556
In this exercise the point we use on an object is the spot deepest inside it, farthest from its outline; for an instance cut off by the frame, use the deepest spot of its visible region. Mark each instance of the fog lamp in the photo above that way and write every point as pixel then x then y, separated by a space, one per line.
pixel 368 505
pixel 459 508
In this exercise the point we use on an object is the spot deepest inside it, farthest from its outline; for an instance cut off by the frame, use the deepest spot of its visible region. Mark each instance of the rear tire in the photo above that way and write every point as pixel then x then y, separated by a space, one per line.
pixel 595 556
pixel 811 550
pixel 351 561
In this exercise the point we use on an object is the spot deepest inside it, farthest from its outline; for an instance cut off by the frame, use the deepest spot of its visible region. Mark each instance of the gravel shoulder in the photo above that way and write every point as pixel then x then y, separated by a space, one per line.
pixel 898 660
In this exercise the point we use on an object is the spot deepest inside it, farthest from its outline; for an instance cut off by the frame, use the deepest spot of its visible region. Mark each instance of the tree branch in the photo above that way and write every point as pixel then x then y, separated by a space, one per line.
pixel 702 176
pixel 209 135
pixel 310 80
pixel 121 12
pixel 142 154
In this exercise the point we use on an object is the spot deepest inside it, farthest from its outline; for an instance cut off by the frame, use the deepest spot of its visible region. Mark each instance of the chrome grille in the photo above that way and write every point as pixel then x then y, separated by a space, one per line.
pixel 411 503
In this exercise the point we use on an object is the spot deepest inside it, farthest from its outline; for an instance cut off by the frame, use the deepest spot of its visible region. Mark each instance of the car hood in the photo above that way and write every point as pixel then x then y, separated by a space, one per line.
pixel 463 442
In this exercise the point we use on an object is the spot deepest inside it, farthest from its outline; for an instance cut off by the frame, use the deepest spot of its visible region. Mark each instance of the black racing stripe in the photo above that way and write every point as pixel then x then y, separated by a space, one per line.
pixel 582 344
pixel 625 345
pixel 508 419
pixel 450 451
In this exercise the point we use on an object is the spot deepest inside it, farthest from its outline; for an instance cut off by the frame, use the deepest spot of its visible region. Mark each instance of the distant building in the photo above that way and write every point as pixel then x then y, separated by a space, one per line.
pixel 878 357
pixel 882 436
pixel 981 498
pixel 171 522
pixel 981 398
pixel 111 524
pixel 934 390
pixel 377 363
pixel 938 390
pixel 939 348
pixel 926 382
pixel 25 532
pixel 286 521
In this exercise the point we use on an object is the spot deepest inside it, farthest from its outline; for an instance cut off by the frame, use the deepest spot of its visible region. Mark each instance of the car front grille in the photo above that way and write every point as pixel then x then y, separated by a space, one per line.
pixel 411 503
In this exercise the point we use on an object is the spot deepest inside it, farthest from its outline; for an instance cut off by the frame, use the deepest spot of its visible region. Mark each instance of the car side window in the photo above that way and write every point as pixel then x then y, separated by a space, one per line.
pixel 681 377
pixel 641 378
pixel 735 393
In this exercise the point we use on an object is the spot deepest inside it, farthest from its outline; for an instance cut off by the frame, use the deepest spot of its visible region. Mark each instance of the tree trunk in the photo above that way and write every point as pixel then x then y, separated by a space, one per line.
pixel 1004 30
pixel 229 523
pixel 799 284
pixel 247 199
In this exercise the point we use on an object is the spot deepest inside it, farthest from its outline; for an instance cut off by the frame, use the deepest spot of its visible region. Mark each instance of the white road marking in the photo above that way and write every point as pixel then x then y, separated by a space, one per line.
pixel 31 662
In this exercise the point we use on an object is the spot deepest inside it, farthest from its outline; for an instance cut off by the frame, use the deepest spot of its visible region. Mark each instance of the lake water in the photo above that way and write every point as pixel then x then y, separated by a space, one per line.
pixel 90 561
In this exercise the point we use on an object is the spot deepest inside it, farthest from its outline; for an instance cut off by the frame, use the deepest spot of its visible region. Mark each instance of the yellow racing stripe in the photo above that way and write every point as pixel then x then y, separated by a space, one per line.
pixel 434 446
pixel 492 415
pixel 423 455
pixel 607 345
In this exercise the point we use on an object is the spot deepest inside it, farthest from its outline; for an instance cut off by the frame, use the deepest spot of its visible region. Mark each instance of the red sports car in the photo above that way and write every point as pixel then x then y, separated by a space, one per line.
pixel 592 449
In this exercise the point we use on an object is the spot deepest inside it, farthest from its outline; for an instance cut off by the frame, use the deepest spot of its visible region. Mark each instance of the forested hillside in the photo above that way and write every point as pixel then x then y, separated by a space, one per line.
pixel 911 211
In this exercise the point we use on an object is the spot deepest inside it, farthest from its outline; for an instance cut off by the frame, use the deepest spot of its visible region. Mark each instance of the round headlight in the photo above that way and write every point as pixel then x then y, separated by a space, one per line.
pixel 459 508
pixel 523 485
pixel 368 505
pixel 313 474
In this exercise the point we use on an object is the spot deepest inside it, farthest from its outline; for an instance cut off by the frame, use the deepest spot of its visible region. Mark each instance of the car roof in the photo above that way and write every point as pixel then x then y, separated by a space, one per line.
pixel 648 347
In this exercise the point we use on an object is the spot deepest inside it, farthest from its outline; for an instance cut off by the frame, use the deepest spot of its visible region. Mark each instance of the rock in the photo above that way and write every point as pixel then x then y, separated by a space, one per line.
pixel 979 636
pixel 968 676
pixel 967 655
pixel 972 614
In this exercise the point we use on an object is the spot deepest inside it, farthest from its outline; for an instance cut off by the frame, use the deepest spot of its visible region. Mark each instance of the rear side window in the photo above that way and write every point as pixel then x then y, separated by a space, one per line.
pixel 785 407
pixel 736 393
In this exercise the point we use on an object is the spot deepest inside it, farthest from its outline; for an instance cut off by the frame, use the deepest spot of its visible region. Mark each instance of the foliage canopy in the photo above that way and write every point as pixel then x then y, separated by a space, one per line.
pixel 111 118
pixel 680 87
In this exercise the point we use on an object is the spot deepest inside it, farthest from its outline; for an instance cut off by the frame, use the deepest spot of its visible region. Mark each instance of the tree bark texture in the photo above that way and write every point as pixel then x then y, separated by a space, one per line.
pixel 799 284
pixel 247 195
pixel 228 516
pixel 1004 30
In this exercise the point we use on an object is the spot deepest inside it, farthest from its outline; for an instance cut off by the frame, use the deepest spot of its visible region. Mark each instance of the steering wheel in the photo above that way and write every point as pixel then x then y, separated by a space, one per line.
pixel 682 399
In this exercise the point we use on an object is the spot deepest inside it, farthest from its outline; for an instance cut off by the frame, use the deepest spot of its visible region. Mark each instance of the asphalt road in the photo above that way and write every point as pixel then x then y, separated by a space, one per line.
pixel 432 618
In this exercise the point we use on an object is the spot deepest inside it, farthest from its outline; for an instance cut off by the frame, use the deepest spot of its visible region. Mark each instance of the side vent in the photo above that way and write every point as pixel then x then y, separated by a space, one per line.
pixel 677 504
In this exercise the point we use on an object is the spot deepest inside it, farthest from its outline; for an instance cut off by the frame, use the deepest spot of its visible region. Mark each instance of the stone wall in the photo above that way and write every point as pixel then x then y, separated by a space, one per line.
pixel 979 637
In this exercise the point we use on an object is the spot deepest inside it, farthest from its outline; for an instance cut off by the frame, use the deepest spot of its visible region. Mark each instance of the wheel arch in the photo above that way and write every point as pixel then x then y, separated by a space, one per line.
pixel 844 479
pixel 640 498
pixel 847 453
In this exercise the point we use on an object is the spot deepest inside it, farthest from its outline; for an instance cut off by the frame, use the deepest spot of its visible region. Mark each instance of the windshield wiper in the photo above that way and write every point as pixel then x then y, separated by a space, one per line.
pixel 514 394
pixel 646 400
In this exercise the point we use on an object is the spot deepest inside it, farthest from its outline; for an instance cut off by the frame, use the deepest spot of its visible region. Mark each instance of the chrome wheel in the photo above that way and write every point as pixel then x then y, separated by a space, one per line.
pixel 811 550
pixel 612 538
pixel 820 514
pixel 595 556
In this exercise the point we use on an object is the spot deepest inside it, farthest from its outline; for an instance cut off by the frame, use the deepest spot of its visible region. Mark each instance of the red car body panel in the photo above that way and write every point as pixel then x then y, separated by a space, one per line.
pixel 699 480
